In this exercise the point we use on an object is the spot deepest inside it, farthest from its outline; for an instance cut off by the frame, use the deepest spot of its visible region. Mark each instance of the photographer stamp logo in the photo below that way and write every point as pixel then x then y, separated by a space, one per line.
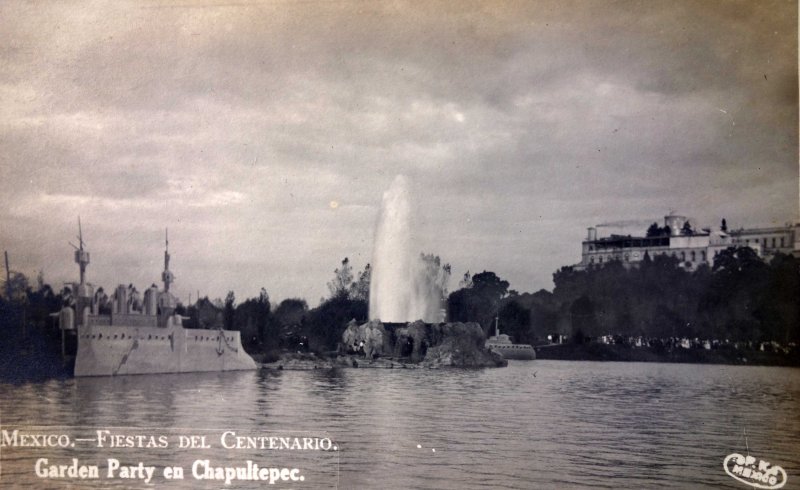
pixel 757 473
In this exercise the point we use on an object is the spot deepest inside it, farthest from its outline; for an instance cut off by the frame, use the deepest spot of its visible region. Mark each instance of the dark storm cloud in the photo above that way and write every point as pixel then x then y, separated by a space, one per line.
pixel 270 129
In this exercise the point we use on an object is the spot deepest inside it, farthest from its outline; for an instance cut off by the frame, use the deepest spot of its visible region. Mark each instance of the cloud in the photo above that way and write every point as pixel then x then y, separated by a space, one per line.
pixel 520 124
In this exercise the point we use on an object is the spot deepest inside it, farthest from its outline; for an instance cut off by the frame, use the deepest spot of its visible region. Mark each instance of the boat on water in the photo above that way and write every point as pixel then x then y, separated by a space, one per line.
pixel 501 343
pixel 143 337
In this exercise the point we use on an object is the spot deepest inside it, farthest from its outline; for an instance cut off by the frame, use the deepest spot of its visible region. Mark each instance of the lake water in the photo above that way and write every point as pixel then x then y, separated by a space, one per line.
pixel 540 424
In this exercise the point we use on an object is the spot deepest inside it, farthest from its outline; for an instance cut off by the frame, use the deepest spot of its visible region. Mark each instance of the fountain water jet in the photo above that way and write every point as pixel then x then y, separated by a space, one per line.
pixel 399 289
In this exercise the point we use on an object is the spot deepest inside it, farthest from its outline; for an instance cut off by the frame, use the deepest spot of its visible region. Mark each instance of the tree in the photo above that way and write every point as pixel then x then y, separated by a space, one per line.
pixel 687 229
pixel 741 298
pixel 584 322
pixel 515 321
pixel 359 290
pixel 327 322
pixel 779 307
pixel 490 284
pixel 262 308
pixel 733 298
pixel 480 302
pixel 655 231
pixel 252 319
pixel 569 283
pixel 18 285
pixel 466 281
pixel 724 226
pixel 228 311
pixel 342 280
pixel 348 301
pixel 528 317
pixel 41 303
pixel 205 314
pixel 291 311
pixel 737 259
pixel 40 280
pixel 464 306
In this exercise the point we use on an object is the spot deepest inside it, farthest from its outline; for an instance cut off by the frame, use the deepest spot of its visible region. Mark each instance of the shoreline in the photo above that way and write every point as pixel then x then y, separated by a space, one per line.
pixel 36 364
pixel 621 353
pixel 290 361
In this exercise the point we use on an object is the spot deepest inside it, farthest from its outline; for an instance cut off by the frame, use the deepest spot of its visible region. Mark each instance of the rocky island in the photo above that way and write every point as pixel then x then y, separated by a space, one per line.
pixel 408 295
pixel 402 345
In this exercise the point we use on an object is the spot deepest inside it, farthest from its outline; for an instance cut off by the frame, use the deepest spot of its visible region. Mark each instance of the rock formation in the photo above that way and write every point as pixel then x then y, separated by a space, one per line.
pixel 377 341
pixel 428 345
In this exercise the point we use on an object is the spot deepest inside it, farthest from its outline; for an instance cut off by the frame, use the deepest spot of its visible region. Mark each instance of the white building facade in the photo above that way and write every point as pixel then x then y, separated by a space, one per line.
pixel 692 249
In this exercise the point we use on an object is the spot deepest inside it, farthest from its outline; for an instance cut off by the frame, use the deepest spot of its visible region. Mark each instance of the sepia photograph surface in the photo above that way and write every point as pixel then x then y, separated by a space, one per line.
pixel 399 244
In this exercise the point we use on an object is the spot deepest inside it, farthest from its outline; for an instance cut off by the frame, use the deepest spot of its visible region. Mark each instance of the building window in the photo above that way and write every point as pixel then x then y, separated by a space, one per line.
pixel 747 242
pixel 782 242
pixel 591 260
pixel 600 260
pixel 693 256
pixel 703 255
pixel 683 256
pixel 773 242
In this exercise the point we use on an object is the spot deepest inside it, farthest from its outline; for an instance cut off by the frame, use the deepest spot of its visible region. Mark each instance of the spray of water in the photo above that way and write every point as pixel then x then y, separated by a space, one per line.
pixel 399 289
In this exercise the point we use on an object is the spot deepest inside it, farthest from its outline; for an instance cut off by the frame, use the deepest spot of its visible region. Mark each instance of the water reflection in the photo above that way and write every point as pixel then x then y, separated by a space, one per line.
pixel 539 424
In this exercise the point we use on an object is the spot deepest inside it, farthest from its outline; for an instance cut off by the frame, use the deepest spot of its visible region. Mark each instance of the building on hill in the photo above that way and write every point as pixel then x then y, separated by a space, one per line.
pixel 783 239
pixel 691 247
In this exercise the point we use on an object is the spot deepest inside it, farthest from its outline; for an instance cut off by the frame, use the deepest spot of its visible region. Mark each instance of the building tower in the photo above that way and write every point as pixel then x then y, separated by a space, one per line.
pixel 82 292
pixel 167 276
pixel 81 255
pixel 166 301
pixel 675 223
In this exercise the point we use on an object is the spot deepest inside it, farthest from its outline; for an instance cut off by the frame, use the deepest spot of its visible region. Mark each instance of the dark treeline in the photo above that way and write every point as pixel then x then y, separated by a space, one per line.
pixel 24 305
pixel 267 329
pixel 26 315
pixel 30 341
pixel 742 298
pixel 292 325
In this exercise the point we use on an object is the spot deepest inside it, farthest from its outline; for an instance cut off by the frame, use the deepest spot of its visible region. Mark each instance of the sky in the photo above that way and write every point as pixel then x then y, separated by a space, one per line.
pixel 263 134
